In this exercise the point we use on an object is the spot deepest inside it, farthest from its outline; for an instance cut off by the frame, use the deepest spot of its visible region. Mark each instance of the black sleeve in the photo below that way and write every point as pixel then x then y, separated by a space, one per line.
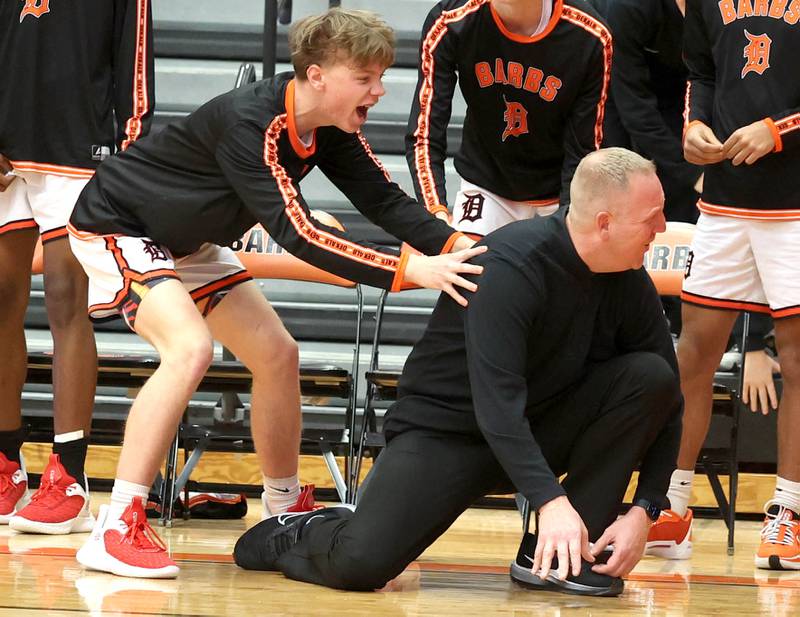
pixel 634 23
pixel 134 72
pixel 700 62
pixel 350 164
pixel 584 129
pixel 426 140
pixel 248 158
pixel 644 328
pixel 496 326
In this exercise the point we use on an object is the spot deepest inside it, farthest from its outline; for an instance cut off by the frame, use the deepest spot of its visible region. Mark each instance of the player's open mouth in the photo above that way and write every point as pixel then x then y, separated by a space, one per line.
pixel 361 110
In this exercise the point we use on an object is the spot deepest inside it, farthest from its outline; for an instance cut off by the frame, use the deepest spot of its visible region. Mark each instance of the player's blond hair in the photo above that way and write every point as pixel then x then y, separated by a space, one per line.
pixel 360 38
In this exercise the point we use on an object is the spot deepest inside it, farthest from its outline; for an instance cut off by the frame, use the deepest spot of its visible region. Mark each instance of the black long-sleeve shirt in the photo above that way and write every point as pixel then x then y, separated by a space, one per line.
pixel 236 161
pixel 70 69
pixel 539 319
pixel 648 81
pixel 534 104
pixel 742 59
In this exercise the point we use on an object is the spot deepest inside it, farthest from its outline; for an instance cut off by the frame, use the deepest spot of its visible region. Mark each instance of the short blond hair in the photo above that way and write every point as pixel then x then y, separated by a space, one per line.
pixel 361 38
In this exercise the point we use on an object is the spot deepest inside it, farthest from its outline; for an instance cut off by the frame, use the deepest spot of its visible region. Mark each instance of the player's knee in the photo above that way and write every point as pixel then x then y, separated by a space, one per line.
pixel 193 353
pixel 277 354
pixel 790 365
pixel 656 378
pixel 65 301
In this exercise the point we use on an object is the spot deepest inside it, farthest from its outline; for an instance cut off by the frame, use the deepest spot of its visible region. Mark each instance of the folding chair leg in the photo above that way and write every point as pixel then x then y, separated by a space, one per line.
pixel 168 485
pixel 333 469
pixel 191 463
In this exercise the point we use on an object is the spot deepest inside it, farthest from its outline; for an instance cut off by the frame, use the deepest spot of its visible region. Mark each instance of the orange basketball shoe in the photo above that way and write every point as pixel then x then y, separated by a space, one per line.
pixel 671 536
pixel 127 546
pixel 13 488
pixel 780 539
pixel 60 506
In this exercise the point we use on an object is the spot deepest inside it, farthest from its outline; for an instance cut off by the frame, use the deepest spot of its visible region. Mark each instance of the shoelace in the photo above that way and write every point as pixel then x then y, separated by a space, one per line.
pixel 49 494
pixel 772 531
pixel 143 537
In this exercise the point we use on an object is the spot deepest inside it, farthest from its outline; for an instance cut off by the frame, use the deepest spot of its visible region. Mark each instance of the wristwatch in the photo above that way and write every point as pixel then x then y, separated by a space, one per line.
pixel 653 510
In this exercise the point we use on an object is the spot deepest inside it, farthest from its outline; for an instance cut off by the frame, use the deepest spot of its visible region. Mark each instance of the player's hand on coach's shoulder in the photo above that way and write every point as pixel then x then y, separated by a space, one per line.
pixel 749 143
pixel 560 533
pixel 701 146
pixel 5 177
pixel 444 272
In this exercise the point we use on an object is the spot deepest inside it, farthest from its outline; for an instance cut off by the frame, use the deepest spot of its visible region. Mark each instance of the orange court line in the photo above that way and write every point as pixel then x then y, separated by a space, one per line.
pixel 432 566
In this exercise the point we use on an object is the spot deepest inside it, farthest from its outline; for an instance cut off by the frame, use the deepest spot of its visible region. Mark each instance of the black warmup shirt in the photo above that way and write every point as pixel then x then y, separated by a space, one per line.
pixel 236 162
pixel 648 82
pixel 534 104
pixel 70 69
pixel 538 321
pixel 742 58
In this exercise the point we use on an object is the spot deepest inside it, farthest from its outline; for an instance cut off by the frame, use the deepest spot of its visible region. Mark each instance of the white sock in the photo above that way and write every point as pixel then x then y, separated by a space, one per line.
pixel 680 490
pixel 67 437
pixel 121 495
pixel 281 493
pixel 787 494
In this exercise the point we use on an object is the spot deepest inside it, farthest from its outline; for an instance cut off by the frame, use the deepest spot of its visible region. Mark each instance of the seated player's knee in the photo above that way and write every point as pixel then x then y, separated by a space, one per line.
pixel 364 570
pixel 656 378
pixel 278 354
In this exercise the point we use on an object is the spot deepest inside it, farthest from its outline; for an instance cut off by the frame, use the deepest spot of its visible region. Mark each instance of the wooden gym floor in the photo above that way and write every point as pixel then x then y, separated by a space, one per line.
pixel 464 573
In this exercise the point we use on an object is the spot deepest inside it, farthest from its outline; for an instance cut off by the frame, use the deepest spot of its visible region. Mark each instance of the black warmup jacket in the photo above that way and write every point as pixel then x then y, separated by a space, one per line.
pixel 237 161
pixel 77 81
pixel 538 321
pixel 742 58
pixel 534 104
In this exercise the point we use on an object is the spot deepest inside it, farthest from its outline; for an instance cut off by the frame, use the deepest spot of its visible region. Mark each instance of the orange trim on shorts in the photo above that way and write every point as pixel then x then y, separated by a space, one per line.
pixel 748 213
pixel 56 170
pixel 732 305
pixel 775 134
pixel 789 311
pixel 20 224
pixel 227 281
pixel 54 234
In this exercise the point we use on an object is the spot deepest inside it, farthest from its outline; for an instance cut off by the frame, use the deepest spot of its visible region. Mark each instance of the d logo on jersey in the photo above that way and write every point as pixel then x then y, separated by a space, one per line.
pixel 757 53
pixel 516 117
pixel 473 208
pixel 37 8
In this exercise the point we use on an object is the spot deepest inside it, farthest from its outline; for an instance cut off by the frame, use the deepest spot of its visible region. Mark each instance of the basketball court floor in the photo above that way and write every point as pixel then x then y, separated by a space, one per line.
pixel 464 573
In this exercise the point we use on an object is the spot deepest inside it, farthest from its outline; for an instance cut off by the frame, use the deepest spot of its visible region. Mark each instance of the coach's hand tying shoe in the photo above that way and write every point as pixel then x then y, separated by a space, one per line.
pixel 585 583
pixel 261 546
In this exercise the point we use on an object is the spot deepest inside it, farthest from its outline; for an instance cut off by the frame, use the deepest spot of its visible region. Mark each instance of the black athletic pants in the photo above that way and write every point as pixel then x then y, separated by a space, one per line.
pixel 596 434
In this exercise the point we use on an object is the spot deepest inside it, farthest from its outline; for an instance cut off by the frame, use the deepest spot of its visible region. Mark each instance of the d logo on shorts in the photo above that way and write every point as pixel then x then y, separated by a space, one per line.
pixel 516 117
pixel 37 8
pixel 757 53
pixel 473 208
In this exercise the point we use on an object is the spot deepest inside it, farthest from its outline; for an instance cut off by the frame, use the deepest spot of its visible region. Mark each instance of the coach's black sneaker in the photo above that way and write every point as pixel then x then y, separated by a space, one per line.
pixel 587 583
pixel 260 547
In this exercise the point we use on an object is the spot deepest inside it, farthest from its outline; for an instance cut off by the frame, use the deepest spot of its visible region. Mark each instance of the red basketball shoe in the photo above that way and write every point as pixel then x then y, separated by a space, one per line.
pixel 13 488
pixel 60 506
pixel 127 546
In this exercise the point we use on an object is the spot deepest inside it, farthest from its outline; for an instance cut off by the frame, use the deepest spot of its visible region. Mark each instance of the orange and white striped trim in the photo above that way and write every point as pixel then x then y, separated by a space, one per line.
pixel 787 125
pixel 596 28
pixel 422 157
pixel 748 213
pixel 54 234
pixel 721 303
pixel 20 224
pixel 55 170
pixel 372 156
pixel 133 126
pixel 776 136
pixel 303 223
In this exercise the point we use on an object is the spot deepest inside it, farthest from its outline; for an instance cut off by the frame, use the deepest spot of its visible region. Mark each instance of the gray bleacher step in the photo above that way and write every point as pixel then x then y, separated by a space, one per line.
pixel 185 84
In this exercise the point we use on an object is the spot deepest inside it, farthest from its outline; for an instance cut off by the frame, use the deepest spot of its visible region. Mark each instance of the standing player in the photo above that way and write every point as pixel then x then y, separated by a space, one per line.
pixel 534 75
pixel 743 124
pixel 71 70
pixel 150 228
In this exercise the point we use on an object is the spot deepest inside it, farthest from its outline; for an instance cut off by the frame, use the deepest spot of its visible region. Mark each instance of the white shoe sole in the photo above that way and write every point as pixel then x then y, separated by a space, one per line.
pixel 80 524
pixel 93 556
pixel 669 549
pixel 776 563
